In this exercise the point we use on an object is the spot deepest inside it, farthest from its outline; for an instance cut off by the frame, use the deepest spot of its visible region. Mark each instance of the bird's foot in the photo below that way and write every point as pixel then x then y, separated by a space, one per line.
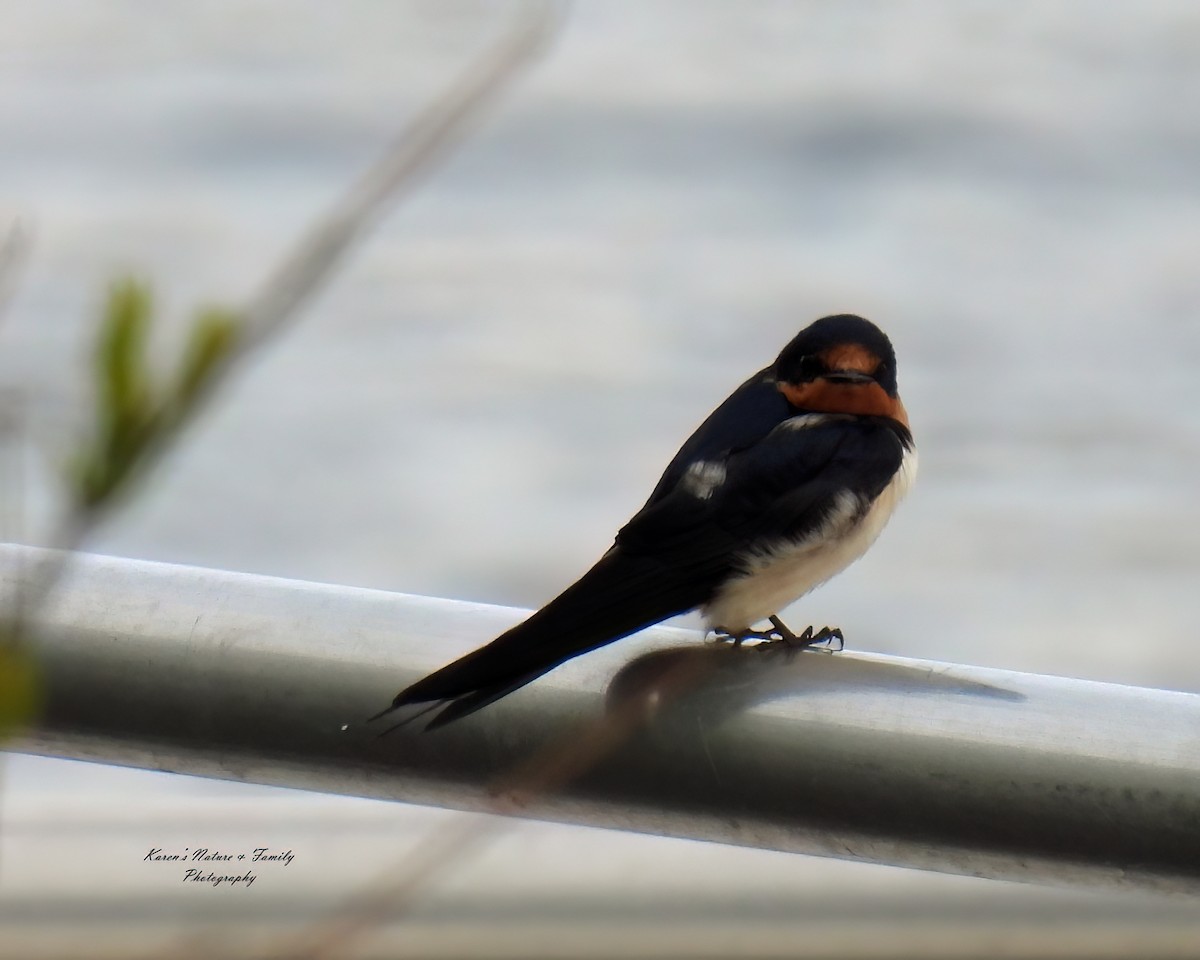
pixel 826 637
pixel 781 634
pixel 808 638
pixel 737 639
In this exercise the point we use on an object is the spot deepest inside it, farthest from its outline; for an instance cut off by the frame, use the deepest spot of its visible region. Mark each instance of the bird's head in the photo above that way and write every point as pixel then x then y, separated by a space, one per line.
pixel 841 364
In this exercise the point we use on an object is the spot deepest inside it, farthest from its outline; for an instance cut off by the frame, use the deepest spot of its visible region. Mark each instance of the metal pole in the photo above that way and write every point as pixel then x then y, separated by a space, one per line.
pixel 944 767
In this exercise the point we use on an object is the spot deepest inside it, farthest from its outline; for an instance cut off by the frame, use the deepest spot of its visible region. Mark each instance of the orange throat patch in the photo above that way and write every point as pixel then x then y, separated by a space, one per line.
pixel 861 399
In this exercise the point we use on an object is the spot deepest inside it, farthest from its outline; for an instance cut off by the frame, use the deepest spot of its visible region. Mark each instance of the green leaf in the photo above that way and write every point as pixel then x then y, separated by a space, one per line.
pixel 132 416
pixel 213 337
pixel 20 690
pixel 121 353
pixel 126 415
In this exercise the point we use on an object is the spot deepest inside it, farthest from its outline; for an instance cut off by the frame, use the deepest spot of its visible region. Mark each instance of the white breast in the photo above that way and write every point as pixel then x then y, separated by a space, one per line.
pixel 775 578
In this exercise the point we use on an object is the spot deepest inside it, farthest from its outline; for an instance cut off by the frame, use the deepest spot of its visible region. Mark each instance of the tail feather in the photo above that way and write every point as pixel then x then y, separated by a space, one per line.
pixel 468 703
pixel 618 596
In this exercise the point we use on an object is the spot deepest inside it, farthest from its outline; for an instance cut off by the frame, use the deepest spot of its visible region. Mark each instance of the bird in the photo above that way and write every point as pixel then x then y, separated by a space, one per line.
pixel 784 485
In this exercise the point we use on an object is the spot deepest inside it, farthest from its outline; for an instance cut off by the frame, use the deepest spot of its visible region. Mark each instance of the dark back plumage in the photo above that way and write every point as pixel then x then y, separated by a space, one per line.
pixel 768 473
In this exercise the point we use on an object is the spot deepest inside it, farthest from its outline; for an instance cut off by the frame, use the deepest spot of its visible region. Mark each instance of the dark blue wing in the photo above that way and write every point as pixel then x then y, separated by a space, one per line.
pixel 751 412
pixel 780 487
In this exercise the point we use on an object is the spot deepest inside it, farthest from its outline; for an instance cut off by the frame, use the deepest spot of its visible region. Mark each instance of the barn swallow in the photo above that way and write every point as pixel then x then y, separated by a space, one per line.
pixel 785 484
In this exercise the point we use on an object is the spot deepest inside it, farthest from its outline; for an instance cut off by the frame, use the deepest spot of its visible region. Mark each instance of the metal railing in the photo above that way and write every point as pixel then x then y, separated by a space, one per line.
pixel 882 759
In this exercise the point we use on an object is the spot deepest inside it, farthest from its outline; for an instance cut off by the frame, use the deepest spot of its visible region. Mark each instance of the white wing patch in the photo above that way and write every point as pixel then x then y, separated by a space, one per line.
pixel 776 577
pixel 804 421
pixel 702 478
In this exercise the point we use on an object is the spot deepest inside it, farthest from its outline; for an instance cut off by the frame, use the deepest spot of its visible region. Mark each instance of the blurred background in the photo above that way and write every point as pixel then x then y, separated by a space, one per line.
pixel 493 384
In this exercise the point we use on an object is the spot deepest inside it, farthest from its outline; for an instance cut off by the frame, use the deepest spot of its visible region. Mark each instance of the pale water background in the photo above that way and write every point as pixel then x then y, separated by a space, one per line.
pixel 1011 189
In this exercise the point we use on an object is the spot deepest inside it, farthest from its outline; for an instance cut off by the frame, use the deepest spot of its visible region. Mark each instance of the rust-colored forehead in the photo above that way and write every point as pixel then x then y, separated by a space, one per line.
pixel 850 356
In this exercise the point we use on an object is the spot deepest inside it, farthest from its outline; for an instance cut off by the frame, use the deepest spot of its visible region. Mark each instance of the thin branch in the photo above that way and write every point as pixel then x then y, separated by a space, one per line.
pixel 301 274
pixel 426 140
pixel 313 260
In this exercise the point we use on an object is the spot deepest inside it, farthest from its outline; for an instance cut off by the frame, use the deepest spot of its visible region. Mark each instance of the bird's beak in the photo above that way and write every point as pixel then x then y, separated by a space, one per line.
pixel 847 376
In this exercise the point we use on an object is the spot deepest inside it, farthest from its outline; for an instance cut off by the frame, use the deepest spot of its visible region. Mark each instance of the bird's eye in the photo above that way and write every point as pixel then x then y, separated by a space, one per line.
pixel 811 367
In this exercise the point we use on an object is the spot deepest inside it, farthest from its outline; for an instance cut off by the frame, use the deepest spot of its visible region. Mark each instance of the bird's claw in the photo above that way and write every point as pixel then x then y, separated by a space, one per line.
pixel 780 634
pixel 737 639
pixel 827 636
